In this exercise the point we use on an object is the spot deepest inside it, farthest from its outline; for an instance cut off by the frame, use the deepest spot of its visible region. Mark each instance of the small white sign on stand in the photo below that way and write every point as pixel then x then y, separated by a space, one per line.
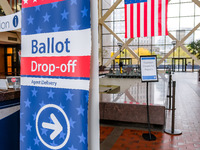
pixel 149 68
pixel 148 65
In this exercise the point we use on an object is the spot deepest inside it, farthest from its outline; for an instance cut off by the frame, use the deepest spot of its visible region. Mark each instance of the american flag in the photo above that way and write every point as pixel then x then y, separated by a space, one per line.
pixel 145 18
pixel 56 36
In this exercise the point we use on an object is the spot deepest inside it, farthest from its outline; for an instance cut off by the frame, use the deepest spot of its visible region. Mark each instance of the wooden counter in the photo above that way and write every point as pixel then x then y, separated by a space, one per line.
pixel 9 94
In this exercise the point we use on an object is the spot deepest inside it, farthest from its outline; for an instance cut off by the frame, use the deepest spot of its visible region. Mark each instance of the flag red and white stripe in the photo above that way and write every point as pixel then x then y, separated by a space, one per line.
pixel 145 19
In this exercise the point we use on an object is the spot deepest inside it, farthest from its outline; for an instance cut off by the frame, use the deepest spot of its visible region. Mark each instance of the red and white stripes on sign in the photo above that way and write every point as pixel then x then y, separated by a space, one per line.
pixel 146 19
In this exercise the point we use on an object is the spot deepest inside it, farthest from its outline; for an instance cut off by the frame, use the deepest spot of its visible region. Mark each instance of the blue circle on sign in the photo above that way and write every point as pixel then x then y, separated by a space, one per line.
pixel 15 21
pixel 52 126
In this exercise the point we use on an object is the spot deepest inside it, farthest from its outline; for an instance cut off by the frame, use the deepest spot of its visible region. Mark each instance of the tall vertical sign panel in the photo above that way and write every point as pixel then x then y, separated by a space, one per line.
pixel 55 73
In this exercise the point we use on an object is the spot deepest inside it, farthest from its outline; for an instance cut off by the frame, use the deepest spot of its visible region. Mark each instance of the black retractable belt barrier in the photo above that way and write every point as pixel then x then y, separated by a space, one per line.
pixel 199 75
pixel 172 130
pixel 170 93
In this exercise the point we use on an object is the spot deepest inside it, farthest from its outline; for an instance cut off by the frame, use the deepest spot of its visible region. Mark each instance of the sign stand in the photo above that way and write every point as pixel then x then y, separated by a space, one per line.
pixel 148 74
pixel 148 136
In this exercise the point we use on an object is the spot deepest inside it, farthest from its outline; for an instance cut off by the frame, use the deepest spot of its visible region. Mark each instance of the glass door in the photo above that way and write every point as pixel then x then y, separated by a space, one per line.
pixel 12 63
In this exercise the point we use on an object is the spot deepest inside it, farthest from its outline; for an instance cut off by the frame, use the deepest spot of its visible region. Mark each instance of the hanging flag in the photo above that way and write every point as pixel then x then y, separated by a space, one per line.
pixel 145 18
pixel 55 74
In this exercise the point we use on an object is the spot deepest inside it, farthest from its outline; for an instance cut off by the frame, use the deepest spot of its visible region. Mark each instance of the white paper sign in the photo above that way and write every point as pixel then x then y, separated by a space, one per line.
pixel 149 68
pixel 10 22
pixel 3 84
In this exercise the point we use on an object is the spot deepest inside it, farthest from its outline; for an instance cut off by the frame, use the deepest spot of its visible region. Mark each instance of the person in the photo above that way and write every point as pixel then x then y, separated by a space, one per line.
pixel 120 66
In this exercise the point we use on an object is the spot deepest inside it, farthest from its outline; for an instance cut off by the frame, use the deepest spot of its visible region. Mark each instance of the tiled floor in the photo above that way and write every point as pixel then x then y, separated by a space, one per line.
pixel 187 120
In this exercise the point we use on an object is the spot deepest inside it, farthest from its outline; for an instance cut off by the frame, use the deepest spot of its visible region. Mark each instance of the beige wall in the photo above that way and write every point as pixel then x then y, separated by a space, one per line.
pixel 2 64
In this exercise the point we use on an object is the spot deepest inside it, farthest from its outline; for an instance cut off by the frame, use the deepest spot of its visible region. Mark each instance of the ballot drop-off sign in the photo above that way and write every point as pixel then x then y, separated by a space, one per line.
pixel 55 74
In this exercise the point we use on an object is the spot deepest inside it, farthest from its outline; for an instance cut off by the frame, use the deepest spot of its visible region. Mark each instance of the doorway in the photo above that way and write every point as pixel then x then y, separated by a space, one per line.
pixel 181 64
pixel 12 60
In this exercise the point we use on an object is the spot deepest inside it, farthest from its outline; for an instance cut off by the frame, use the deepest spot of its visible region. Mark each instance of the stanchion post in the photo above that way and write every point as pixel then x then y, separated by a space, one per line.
pixel 172 130
pixel 173 106
pixel 170 90
pixel 199 75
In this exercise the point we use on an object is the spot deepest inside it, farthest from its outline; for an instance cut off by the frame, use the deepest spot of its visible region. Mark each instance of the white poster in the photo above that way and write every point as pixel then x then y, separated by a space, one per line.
pixel 148 68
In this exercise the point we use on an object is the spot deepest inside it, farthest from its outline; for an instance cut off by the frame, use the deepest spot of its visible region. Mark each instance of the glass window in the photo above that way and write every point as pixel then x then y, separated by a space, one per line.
pixel 107 40
pixel 106 4
pixel 197 35
pixel 189 39
pixel 197 20
pixel 168 39
pixel 107 52
pixel 9 50
pixel 187 9
pixel 197 10
pixel 186 0
pixel 187 23
pixel 110 17
pixel 173 10
pixel 119 14
pixel 159 40
pixel 110 25
pixel 119 27
pixel 183 16
pixel 173 23
pixel 174 1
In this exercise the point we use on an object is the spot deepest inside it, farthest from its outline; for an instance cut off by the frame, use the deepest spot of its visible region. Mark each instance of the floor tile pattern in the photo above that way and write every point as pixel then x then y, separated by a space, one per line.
pixel 104 132
pixel 187 119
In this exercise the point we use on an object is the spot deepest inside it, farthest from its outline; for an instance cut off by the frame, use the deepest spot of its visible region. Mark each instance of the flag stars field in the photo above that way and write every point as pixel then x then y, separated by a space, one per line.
pixel 53 144
pixel 34 116
pixel 25 1
pixel 62 135
pixel 69 96
pixel 42 104
pixel 80 111
pixel 84 12
pixel 72 148
pixel 21 114
pixel 27 103
pixel 22 137
pixel 28 127
pixel 51 11
pixel 34 92
pixel 37 8
pixel 30 20
pixel 82 138
pixel 64 15
pixel 38 30
pixel 29 148
pixel 71 122
pixel 75 26
pixel 54 5
pixel 61 106
pixel 56 28
pixel 44 131
pixel 50 94
pixel 73 2
pixel 46 17
pixel 36 140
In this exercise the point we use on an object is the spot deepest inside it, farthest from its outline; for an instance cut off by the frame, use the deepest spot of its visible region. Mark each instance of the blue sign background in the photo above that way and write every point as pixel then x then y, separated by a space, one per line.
pixel 73 102
pixel 38 22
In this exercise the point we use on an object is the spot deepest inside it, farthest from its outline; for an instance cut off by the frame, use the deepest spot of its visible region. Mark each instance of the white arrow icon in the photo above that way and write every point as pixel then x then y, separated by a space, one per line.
pixel 56 127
